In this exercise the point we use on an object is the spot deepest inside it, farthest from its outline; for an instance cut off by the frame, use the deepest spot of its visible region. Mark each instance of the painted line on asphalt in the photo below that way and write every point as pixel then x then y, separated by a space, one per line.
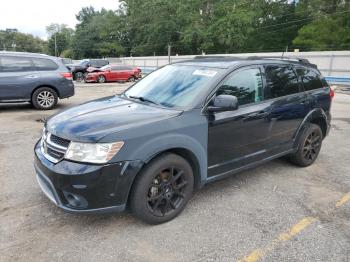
pixel 294 230
pixel 343 200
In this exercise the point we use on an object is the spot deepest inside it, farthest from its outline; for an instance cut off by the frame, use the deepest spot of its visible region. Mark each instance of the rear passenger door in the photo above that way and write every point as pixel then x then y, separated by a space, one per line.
pixel 17 78
pixel 288 106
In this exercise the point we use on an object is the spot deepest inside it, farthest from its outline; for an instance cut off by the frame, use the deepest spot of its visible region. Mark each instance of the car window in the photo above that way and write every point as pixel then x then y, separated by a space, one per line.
pixel 310 78
pixel 15 64
pixel 116 68
pixel 246 85
pixel 42 64
pixel 281 81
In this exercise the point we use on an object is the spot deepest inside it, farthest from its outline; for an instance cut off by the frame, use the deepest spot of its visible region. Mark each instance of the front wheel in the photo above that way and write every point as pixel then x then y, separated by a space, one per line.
pixel 162 189
pixel 101 79
pixel 309 146
pixel 131 79
pixel 79 77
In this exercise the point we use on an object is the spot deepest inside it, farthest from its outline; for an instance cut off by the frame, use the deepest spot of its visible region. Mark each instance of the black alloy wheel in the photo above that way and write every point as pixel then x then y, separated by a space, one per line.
pixel 166 192
pixel 312 146
pixel 309 146
pixel 162 189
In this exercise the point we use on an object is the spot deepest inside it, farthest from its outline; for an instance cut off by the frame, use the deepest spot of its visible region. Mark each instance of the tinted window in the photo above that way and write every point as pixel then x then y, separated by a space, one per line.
pixel 310 78
pixel 121 68
pixel 246 85
pixel 42 64
pixel 15 64
pixel 281 81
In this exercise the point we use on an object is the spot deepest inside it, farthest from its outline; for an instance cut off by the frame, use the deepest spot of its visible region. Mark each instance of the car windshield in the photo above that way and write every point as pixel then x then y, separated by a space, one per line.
pixel 175 86
pixel 83 62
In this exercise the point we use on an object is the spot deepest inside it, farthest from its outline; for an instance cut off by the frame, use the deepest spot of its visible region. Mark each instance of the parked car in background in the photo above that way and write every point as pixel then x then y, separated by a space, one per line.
pixel 79 70
pixel 183 126
pixel 113 72
pixel 67 62
pixel 35 78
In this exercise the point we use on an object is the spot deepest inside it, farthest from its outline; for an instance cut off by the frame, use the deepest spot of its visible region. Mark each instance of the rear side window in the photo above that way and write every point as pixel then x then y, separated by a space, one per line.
pixel 42 64
pixel 246 85
pixel 281 81
pixel 15 64
pixel 310 78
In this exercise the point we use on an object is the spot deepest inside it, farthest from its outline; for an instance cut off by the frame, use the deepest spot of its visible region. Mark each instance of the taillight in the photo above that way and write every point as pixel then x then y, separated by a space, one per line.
pixel 331 93
pixel 67 76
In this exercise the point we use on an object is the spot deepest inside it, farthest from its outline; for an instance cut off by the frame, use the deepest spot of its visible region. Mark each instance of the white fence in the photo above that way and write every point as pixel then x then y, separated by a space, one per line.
pixel 330 63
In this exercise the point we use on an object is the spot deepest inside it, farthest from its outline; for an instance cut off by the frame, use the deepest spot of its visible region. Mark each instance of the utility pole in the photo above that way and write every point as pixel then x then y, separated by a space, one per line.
pixel 55 45
pixel 169 53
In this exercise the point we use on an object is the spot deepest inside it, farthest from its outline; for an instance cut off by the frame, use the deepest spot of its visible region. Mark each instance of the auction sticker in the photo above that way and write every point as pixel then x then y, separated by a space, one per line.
pixel 207 73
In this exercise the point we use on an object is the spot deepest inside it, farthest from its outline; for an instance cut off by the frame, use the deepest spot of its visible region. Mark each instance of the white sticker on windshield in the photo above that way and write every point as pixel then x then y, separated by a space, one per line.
pixel 207 73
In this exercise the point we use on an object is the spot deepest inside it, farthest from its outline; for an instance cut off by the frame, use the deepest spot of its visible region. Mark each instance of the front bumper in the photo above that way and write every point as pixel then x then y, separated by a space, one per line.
pixel 86 188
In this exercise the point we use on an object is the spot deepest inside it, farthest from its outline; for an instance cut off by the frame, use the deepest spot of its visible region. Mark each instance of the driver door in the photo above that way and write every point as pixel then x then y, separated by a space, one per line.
pixel 237 138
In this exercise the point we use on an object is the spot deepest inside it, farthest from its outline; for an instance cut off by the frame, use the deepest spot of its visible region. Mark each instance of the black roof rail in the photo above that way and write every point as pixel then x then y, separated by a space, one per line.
pixel 217 57
pixel 291 59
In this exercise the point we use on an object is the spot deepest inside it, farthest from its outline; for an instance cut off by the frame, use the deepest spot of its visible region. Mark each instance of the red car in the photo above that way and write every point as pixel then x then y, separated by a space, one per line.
pixel 113 72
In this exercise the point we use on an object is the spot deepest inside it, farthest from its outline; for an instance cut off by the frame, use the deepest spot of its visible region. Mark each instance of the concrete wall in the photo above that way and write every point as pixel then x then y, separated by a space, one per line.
pixel 330 63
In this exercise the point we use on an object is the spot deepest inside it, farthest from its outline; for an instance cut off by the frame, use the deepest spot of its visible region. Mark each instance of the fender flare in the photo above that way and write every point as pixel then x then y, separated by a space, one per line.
pixel 313 114
pixel 147 151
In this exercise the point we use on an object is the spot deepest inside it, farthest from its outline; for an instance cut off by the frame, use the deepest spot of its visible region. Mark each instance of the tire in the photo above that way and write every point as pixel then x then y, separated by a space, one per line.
pixel 44 98
pixel 309 146
pixel 79 77
pixel 131 79
pixel 101 79
pixel 162 189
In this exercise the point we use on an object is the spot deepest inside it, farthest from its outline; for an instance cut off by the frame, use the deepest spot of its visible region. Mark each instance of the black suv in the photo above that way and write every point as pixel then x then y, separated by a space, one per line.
pixel 79 71
pixel 179 128
pixel 35 78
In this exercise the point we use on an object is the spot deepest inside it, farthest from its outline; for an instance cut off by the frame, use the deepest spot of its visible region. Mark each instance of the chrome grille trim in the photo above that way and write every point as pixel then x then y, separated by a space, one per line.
pixel 46 143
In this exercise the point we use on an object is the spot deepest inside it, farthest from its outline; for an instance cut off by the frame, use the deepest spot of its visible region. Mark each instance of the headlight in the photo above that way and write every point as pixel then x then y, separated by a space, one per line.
pixel 98 153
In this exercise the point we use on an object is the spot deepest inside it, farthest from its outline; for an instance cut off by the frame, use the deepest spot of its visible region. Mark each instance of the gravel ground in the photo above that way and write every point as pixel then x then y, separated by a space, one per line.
pixel 225 221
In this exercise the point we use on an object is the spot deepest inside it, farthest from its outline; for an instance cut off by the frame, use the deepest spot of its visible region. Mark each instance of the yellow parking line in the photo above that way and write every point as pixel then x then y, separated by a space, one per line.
pixel 343 200
pixel 294 230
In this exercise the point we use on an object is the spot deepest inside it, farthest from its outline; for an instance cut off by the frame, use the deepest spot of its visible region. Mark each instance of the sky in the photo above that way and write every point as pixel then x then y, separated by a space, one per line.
pixel 32 16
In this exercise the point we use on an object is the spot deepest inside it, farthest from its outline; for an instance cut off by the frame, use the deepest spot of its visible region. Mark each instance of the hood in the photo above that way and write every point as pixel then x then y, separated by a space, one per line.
pixel 93 120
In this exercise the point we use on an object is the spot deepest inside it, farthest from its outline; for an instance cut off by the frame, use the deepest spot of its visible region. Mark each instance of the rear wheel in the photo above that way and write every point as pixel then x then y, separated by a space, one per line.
pixel 101 79
pixel 44 98
pixel 162 190
pixel 309 146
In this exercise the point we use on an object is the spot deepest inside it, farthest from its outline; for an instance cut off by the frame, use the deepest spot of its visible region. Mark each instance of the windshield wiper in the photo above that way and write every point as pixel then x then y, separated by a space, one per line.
pixel 143 99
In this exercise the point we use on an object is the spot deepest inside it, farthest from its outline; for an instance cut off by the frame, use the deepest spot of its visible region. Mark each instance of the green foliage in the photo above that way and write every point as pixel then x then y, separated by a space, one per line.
pixel 60 38
pixel 12 40
pixel 140 27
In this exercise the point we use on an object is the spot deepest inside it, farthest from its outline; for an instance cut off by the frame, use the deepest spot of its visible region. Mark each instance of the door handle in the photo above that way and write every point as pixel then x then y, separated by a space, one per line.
pixel 32 76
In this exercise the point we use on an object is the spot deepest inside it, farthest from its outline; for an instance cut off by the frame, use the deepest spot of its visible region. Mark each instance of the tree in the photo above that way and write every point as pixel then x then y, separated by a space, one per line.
pixel 13 40
pixel 60 37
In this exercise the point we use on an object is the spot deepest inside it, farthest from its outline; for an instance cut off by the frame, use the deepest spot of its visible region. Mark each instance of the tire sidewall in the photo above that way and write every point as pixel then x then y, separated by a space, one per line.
pixel 308 130
pixel 138 201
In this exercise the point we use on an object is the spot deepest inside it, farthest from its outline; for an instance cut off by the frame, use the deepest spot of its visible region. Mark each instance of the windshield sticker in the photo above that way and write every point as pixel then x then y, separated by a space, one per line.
pixel 207 73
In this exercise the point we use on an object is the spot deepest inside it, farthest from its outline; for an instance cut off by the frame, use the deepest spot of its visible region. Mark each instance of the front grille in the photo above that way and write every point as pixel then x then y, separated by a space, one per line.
pixel 53 147
pixel 59 141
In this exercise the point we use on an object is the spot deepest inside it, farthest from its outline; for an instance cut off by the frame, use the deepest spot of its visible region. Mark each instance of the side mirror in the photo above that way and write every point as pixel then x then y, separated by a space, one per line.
pixel 223 103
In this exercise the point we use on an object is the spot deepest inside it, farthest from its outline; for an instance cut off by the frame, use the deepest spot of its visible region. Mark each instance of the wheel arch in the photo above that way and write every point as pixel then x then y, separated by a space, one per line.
pixel 316 116
pixel 189 156
pixel 48 86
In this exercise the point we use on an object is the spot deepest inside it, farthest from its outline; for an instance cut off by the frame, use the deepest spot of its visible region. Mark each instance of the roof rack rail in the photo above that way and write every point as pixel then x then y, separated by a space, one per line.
pixel 213 57
pixel 292 59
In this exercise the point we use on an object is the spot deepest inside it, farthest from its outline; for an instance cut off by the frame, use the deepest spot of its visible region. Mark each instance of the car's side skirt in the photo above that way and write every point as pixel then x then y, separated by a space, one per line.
pixel 248 166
